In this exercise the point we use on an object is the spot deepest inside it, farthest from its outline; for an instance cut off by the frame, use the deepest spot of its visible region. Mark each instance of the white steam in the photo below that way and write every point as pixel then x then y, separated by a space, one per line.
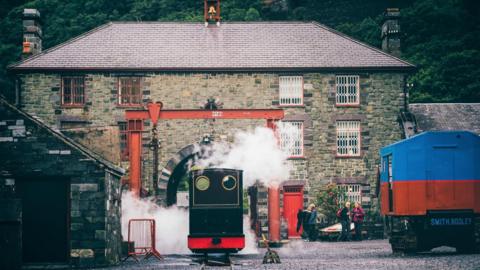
pixel 171 223
pixel 255 152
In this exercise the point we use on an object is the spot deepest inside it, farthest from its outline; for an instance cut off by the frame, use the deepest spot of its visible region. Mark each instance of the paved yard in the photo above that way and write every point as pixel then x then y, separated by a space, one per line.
pixel 367 255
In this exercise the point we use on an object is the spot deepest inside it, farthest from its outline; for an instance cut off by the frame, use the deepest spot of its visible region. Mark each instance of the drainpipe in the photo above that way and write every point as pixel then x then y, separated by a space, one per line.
pixel 17 92
pixel 155 147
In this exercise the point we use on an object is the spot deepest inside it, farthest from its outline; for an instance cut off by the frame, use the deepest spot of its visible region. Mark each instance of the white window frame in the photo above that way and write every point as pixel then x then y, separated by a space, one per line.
pixel 291 138
pixel 350 193
pixel 290 90
pixel 347 88
pixel 348 138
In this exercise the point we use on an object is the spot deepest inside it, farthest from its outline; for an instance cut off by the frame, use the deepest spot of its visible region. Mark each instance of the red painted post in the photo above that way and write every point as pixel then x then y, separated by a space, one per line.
pixel 135 140
pixel 274 213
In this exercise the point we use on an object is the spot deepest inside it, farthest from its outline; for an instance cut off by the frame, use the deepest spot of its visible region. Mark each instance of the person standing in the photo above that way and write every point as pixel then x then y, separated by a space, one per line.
pixel 306 226
pixel 357 217
pixel 344 216
pixel 312 223
pixel 299 219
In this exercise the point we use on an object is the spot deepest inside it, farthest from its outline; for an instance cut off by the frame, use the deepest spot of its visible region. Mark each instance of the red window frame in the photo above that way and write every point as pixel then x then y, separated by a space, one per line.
pixel 360 153
pixel 302 104
pixel 125 128
pixel 129 91
pixel 75 96
pixel 302 142
pixel 123 132
pixel 347 104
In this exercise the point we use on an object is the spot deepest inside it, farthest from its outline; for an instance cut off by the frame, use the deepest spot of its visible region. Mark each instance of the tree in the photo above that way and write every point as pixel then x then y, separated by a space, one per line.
pixel 252 15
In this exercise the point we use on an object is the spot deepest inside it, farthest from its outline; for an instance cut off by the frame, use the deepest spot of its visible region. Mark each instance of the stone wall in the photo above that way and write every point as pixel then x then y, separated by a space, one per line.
pixel 36 152
pixel 381 96
pixel 104 141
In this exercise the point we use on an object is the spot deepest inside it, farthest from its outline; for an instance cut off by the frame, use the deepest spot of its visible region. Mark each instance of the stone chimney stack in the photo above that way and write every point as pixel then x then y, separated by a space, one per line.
pixel 212 11
pixel 391 32
pixel 32 32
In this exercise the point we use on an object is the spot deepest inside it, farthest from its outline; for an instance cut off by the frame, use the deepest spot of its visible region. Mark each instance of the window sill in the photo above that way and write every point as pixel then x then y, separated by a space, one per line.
pixel 129 105
pixel 73 106
pixel 292 106
pixel 349 157
pixel 297 158
pixel 348 105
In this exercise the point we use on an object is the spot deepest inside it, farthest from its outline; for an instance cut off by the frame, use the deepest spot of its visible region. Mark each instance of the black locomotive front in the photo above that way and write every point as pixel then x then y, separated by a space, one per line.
pixel 216 211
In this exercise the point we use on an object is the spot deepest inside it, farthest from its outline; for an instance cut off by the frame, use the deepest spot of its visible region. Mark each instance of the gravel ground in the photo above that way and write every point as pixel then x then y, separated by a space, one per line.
pixel 327 255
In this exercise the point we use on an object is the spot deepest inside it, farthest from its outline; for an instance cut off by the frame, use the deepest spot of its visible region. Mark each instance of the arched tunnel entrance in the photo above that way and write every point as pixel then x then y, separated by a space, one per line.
pixel 179 166
pixel 178 180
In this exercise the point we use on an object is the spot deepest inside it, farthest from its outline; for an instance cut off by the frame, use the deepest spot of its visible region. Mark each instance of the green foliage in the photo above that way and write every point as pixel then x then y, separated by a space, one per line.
pixel 367 30
pixel 252 15
pixel 441 37
pixel 328 201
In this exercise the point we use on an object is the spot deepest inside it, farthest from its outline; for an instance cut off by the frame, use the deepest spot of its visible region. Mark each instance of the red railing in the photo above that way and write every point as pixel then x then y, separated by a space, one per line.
pixel 141 239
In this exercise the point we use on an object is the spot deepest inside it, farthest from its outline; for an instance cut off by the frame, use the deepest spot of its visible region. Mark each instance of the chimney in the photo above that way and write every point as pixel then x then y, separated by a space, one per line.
pixel 391 32
pixel 212 11
pixel 32 32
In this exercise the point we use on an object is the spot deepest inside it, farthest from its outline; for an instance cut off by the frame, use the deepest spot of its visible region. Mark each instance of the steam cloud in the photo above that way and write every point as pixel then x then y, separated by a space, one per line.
pixel 171 223
pixel 255 152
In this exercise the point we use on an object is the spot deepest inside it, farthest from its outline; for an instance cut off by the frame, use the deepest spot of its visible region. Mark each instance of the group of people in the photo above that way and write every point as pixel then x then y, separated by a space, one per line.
pixel 308 218
pixel 346 217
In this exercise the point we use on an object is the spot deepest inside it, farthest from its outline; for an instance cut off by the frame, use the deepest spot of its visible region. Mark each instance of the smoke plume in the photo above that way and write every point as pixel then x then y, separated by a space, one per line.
pixel 255 152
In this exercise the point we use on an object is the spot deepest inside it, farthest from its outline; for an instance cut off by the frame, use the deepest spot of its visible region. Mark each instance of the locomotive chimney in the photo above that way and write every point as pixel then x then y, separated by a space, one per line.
pixel 32 33
pixel 212 11
pixel 391 32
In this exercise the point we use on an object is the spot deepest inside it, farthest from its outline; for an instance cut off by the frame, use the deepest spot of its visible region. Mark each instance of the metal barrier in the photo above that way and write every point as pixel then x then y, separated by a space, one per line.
pixel 141 239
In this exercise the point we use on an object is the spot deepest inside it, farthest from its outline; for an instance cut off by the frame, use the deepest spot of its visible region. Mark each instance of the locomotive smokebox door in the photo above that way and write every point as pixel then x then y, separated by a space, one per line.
pixel 216 211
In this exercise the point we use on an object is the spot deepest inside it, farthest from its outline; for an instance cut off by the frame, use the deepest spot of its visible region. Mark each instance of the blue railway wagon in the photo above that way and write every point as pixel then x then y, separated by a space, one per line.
pixel 432 183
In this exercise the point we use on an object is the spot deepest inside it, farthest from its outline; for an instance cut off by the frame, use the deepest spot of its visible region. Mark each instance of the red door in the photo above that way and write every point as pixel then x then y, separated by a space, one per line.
pixel 292 201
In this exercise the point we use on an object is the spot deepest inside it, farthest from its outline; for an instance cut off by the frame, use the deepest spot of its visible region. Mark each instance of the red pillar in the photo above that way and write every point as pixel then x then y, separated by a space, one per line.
pixel 135 140
pixel 274 213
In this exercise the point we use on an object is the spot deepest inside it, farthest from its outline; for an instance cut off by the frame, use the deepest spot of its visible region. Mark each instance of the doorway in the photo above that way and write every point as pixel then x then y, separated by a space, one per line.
pixel 292 202
pixel 45 219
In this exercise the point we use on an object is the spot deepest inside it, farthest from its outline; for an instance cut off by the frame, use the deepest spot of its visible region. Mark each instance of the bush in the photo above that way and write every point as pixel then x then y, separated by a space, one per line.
pixel 328 202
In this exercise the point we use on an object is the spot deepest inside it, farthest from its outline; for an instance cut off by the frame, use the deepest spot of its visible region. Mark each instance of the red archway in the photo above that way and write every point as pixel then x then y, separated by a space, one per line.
pixel 154 112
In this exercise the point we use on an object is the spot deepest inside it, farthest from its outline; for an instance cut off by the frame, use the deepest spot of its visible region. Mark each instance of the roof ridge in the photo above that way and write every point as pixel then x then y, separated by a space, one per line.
pixel 70 142
pixel 360 43
pixel 58 46
pixel 201 23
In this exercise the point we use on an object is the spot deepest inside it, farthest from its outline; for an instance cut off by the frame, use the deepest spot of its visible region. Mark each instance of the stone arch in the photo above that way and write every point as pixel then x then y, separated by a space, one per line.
pixel 168 180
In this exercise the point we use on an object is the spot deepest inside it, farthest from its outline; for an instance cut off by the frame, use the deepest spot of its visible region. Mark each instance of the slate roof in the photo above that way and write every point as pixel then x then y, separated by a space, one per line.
pixel 447 116
pixel 68 141
pixel 192 46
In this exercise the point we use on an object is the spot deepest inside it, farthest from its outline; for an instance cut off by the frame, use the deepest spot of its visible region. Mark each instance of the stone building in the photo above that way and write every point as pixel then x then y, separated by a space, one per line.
pixel 59 202
pixel 341 98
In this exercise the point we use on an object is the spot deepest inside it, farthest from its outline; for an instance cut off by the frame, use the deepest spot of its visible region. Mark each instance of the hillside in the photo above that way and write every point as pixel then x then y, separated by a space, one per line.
pixel 440 36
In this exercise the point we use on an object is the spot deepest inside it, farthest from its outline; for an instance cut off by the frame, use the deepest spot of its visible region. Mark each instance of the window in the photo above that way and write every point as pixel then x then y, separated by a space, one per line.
pixel 291 90
pixel 350 193
pixel 73 91
pixel 122 126
pixel 348 138
pixel 291 138
pixel 129 91
pixel 347 88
